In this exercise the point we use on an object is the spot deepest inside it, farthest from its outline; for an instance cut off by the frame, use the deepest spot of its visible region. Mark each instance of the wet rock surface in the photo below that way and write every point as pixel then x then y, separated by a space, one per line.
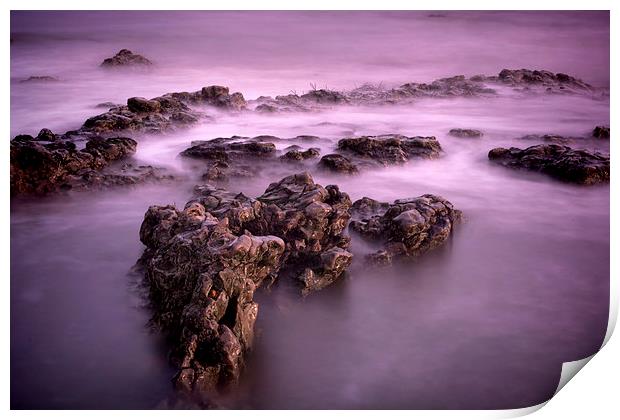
pixel 549 81
pixel 203 264
pixel 298 155
pixel 390 149
pixel 407 227
pixel 43 164
pixel 465 133
pixel 126 58
pixel 561 162
pixel 230 149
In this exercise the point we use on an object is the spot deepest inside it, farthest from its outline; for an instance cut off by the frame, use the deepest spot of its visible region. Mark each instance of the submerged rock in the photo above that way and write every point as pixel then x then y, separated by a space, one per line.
pixel 203 264
pixel 125 58
pixel 408 227
pixel 561 162
pixel 390 149
pixel 43 165
pixel 466 133
pixel 601 132
pixel 299 155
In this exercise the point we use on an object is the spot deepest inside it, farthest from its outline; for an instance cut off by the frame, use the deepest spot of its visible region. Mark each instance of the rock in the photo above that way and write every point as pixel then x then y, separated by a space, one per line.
pixel 202 279
pixel 465 132
pixel 338 163
pixel 325 96
pixel 143 105
pixel 551 82
pixel 407 227
pixel 551 138
pixel 298 155
pixel 225 150
pixel 160 114
pixel 266 109
pixel 223 171
pixel 561 162
pixel 40 79
pixel 127 175
pixel 40 167
pixel 203 264
pixel 601 132
pixel 125 58
pixel 107 105
pixel 390 149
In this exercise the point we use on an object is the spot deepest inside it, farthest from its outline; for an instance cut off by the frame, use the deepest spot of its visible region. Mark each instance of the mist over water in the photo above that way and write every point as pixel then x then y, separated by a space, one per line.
pixel 484 322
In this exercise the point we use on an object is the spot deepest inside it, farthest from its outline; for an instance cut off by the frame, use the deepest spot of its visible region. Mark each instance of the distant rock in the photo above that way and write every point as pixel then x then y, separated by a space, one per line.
pixel 299 155
pixel 126 58
pixel 560 162
pixel 407 228
pixel 40 79
pixel 601 132
pixel 465 133
pixel 108 105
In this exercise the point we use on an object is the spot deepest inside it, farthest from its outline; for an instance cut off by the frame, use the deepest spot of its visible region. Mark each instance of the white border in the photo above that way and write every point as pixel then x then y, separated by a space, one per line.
pixel 593 394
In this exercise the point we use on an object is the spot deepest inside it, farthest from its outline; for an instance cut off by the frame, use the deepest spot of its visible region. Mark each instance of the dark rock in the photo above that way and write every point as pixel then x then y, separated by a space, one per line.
pixel 298 155
pixel 225 150
pixel 561 162
pixel 465 132
pixel 108 105
pixel 390 149
pixel 127 175
pixel 552 82
pixel 223 171
pixel 407 227
pixel 204 263
pixel 46 135
pixel 266 109
pixel 551 138
pixel 40 167
pixel 338 163
pixel 601 132
pixel 125 58
pixel 325 96
pixel 39 79
pixel 143 105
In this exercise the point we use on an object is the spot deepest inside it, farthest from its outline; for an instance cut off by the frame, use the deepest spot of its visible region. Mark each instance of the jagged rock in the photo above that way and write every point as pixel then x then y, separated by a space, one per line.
pixel 550 82
pixel 203 264
pixel 601 132
pixel 202 279
pixel 561 162
pixel 38 166
pixel 465 132
pixel 40 79
pixel 125 58
pixel 390 149
pixel 338 163
pixel 299 155
pixel 407 227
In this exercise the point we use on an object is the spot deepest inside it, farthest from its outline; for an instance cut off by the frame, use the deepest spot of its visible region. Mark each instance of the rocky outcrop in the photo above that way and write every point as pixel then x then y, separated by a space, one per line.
pixel 43 164
pixel 203 264
pixel 561 162
pixel 390 149
pixel 465 133
pixel 127 174
pixel 406 228
pixel 601 132
pixel 551 82
pixel 160 114
pixel 126 58
pixel 338 163
pixel 225 150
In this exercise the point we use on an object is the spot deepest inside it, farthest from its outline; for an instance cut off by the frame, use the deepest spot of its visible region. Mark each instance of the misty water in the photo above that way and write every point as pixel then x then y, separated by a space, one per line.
pixel 486 321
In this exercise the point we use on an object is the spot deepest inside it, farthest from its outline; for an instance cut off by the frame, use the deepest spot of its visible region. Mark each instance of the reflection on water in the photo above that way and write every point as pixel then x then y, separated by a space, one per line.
pixel 483 322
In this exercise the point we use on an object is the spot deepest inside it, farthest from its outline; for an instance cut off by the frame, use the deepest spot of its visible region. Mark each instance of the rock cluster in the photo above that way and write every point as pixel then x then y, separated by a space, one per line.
pixel 45 163
pixel 126 58
pixel 552 82
pixel 558 161
pixel 162 113
pixel 390 149
pixel 407 227
pixel 225 150
pixel 204 262
pixel 465 133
